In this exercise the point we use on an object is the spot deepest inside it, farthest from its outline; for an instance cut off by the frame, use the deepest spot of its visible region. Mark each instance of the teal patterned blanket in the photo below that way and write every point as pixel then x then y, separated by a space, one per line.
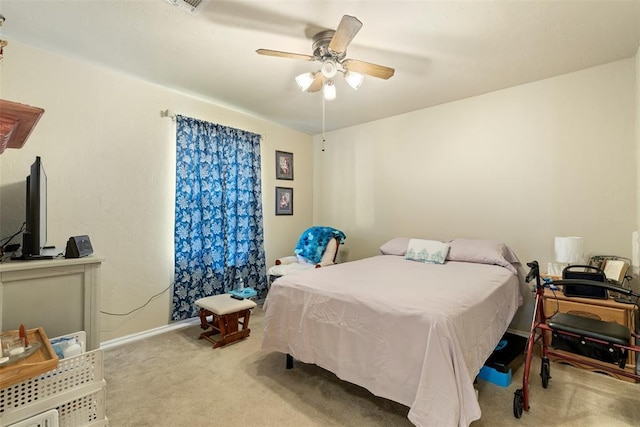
pixel 313 242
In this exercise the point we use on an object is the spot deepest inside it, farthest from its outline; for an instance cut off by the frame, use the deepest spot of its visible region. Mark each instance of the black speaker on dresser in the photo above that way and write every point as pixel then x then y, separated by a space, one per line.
pixel 78 247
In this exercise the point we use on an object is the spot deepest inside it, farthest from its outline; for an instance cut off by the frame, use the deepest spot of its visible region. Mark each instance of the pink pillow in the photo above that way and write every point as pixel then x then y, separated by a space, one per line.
pixel 397 246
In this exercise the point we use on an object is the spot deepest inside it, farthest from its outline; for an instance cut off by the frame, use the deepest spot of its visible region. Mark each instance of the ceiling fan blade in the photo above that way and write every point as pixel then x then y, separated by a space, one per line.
pixel 317 84
pixel 374 70
pixel 346 31
pixel 270 52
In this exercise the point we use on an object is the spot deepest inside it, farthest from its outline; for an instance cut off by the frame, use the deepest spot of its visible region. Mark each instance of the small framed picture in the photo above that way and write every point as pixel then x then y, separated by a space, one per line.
pixel 284 201
pixel 284 165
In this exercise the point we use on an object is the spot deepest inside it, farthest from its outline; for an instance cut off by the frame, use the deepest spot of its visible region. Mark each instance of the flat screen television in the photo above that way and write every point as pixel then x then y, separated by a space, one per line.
pixel 34 238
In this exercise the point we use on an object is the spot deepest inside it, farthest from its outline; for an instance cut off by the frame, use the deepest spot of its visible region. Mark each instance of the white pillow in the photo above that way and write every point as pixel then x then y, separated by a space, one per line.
pixel 430 251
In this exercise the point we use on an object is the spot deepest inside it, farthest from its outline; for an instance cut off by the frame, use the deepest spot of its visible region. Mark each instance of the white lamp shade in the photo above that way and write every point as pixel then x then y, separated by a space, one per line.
pixel 569 250
pixel 305 80
pixel 329 91
pixel 353 79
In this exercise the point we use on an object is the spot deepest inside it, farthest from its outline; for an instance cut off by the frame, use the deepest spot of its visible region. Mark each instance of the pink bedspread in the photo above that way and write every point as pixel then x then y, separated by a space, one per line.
pixel 410 332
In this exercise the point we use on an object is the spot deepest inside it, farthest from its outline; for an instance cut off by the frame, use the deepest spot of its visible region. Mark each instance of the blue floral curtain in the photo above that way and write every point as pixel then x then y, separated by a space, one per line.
pixel 218 226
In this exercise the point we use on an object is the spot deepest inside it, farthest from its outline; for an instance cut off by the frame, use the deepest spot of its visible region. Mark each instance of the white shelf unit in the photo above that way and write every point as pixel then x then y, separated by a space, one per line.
pixel 76 389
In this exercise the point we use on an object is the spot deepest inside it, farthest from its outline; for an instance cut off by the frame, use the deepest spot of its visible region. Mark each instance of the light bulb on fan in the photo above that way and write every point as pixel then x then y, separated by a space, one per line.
pixel 329 91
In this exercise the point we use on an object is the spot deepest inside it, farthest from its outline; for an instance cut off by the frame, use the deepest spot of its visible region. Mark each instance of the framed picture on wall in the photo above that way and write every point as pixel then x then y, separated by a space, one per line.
pixel 284 201
pixel 284 165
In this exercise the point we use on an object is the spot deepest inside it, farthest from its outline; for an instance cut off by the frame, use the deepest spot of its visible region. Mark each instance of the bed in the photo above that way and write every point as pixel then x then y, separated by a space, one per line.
pixel 413 332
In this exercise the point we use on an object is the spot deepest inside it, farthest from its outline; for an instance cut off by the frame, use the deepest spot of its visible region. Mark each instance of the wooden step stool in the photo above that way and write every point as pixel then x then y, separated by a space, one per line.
pixel 225 313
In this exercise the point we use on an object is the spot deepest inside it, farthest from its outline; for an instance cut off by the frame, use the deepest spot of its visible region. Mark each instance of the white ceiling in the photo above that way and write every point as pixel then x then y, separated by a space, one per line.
pixel 441 50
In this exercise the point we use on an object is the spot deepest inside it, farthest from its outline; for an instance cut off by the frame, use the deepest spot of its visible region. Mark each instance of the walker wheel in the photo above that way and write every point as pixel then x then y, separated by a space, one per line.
pixel 545 373
pixel 518 403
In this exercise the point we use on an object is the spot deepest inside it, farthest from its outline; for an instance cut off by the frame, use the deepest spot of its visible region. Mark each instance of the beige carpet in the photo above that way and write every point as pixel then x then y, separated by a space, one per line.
pixel 174 379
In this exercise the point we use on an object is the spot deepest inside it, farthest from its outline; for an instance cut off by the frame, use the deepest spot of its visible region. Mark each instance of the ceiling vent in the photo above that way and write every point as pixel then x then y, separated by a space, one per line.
pixel 192 6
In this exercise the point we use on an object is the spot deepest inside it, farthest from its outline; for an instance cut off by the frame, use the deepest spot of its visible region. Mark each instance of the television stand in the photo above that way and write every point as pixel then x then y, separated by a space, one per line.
pixel 62 296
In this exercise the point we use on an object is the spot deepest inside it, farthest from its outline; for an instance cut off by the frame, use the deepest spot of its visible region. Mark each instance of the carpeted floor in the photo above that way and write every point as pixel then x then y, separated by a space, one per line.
pixel 174 379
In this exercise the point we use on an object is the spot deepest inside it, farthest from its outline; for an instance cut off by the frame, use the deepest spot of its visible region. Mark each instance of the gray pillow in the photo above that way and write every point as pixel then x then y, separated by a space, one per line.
pixel 397 246
pixel 483 251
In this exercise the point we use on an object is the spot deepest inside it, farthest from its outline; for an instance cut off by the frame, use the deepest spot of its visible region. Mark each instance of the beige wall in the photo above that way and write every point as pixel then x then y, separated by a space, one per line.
pixel 521 165
pixel 110 161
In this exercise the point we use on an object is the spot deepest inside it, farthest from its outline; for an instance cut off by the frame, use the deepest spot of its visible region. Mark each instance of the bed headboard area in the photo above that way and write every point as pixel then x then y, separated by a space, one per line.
pixel 481 251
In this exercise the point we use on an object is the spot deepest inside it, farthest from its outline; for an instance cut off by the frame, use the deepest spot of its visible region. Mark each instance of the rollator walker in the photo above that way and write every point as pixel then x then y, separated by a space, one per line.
pixel 605 344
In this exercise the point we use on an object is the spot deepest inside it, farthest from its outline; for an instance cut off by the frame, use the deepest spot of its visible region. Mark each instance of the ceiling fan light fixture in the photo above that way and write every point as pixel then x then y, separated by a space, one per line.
pixel 353 79
pixel 304 80
pixel 329 68
pixel 330 49
pixel 329 91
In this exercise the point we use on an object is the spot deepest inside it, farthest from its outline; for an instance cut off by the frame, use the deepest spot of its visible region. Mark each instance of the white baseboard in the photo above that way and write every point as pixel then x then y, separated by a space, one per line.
pixel 117 342
pixel 180 324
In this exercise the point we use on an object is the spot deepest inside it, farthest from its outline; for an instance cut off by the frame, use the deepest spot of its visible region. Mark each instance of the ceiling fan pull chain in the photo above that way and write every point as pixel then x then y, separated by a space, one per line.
pixel 323 120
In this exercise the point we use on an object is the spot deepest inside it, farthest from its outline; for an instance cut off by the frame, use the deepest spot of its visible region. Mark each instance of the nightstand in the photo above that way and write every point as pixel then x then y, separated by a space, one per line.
pixel 607 310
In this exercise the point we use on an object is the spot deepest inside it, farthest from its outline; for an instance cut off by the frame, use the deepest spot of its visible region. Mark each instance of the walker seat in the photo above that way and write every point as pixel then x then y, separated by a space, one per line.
pixel 590 328
pixel 590 337
pixel 226 314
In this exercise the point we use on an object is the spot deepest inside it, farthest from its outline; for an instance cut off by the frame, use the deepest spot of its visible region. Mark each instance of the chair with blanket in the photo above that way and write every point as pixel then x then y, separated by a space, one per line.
pixel 317 247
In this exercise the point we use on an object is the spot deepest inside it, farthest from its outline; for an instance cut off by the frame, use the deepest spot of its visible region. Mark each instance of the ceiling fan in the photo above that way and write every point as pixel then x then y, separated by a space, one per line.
pixel 330 48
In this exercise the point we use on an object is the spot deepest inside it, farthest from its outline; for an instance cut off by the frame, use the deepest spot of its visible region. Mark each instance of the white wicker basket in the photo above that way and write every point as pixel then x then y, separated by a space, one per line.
pixel 76 388
pixel 87 410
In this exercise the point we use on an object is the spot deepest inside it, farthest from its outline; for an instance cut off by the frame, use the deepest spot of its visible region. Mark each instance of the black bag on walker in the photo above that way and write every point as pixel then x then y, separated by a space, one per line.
pixel 593 350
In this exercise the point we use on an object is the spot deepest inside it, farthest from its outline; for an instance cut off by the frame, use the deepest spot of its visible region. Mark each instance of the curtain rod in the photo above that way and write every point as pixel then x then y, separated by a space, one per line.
pixel 168 113
pixel 172 116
